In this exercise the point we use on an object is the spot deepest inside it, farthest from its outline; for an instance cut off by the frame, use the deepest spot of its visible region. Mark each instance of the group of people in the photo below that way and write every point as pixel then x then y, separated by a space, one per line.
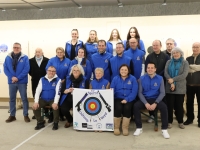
pixel 114 64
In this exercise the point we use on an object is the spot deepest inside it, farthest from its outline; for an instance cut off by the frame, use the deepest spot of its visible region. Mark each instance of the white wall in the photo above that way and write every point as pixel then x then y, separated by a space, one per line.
pixel 49 34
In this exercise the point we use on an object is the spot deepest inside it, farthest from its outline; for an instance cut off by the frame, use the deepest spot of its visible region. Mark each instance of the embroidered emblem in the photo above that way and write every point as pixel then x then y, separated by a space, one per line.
pixel 21 60
pixel 95 46
pixel 65 65
pixel 155 84
pixel 54 84
pixel 138 58
pixel 106 61
pixel 78 47
pixel 129 82
pixel 83 85
pixel 103 87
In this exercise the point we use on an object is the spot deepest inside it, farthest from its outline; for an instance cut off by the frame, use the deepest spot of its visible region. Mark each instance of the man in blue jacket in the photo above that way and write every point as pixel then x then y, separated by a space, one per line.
pixel 137 57
pixel 101 59
pixel 118 60
pixel 16 68
pixel 151 92
pixel 47 94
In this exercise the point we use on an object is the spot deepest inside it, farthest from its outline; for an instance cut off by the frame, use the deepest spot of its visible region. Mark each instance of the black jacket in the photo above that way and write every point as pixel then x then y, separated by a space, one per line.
pixel 193 78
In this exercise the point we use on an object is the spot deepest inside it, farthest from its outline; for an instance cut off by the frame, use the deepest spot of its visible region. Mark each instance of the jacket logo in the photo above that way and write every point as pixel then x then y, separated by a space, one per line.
pixel 155 84
pixel 78 47
pixel 106 61
pixel 54 84
pixel 83 85
pixel 138 58
pixel 129 82
pixel 65 65
pixel 95 46
pixel 21 60
pixel 103 87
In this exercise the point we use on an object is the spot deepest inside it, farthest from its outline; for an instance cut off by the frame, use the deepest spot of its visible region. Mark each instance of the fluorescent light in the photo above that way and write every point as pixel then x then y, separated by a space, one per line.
pixel 164 4
pixel 3 10
pixel 120 5
pixel 41 9
pixel 80 7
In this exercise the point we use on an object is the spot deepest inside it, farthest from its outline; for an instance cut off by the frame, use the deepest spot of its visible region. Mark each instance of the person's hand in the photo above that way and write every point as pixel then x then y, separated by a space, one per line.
pixel 63 80
pixel 172 88
pixel 54 106
pixel 153 106
pixel 170 81
pixel 14 79
pixel 35 106
pixel 148 106
pixel 124 101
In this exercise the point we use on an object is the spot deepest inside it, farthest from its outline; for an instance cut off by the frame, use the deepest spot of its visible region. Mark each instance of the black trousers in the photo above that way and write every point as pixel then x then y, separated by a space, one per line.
pixel 191 91
pixel 161 107
pixel 122 109
pixel 66 106
pixel 178 100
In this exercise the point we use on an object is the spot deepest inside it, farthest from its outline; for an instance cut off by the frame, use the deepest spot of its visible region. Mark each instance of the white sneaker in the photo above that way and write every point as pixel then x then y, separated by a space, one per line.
pixel 150 120
pixel 138 131
pixel 165 134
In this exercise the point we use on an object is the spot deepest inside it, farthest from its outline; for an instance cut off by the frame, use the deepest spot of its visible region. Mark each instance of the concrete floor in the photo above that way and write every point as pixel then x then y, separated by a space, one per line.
pixel 22 136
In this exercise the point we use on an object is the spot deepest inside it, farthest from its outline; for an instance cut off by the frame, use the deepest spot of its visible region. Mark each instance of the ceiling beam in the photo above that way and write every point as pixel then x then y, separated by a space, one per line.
pixel 31 4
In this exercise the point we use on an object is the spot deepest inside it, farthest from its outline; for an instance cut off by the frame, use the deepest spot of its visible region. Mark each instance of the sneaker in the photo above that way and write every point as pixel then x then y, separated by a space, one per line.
pixel 26 119
pixel 181 126
pixel 187 122
pixel 55 126
pixel 169 125
pixel 138 131
pixel 39 126
pixel 10 119
pixel 165 134
pixel 150 120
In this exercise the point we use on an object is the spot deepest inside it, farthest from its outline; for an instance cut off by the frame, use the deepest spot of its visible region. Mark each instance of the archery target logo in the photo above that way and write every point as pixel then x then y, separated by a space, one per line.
pixel 92 106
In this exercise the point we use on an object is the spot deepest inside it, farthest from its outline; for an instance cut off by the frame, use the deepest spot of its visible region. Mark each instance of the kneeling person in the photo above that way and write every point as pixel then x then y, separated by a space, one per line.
pixel 47 94
pixel 151 92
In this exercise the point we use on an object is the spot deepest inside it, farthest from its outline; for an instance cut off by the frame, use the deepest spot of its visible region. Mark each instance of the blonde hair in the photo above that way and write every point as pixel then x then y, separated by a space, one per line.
pixel 60 48
pixel 99 69
pixel 118 36
pixel 96 38
pixel 80 68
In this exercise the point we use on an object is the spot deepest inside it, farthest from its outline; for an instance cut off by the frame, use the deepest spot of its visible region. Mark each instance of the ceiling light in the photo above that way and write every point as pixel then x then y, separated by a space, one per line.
pixel 14 9
pixel 3 10
pixel 120 5
pixel 80 7
pixel 164 4
pixel 41 9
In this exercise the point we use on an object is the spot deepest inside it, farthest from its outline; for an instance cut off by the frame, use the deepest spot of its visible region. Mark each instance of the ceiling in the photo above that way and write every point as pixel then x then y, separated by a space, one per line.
pixel 42 4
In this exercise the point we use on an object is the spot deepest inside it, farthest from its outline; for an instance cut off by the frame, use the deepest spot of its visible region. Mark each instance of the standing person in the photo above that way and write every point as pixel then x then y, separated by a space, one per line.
pixel 16 68
pixel 101 59
pixel 61 63
pixel 125 89
pixel 72 46
pixel 170 44
pixel 151 92
pixel 137 57
pixel 193 84
pixel 37 69
pixel 113 40
pixel 116 61
pixel 133 33
pixel 91 44
pixel 82 60
pixel 76 79
pixel 176 71
pixel 47 94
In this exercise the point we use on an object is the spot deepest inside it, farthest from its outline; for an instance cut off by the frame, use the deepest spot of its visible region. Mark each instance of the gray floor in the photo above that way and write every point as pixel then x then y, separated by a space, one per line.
pixel 22 136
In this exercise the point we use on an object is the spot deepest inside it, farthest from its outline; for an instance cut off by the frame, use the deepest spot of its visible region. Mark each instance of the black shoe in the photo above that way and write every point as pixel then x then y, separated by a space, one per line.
pixel 33 117
pixel 187 122
pixel 50 118
pixel 55 126
pixel 39 126
pixel 199 125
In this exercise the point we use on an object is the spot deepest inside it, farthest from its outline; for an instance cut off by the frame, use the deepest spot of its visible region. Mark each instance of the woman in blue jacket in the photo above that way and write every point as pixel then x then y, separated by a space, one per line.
pixel 61 63
pixel 72 46
pixel 91 44
pixel 125 90
pixel 76 79
pixel 81 60
pixel 113 40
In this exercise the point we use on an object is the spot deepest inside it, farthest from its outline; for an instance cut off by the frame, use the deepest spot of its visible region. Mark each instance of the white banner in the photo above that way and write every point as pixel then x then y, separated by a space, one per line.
pixel 93 109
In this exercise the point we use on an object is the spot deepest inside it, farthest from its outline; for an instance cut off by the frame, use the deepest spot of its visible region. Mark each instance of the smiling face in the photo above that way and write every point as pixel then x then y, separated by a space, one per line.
pixel 98 74
pixel 92 35
pixel 74 35
pixel 114 34
pixel 124 71
pixel 60 54
pixel 196 49
pixel 38 52
pixel 51 71
pixel 119 49
pixel 133 43
pixel 101 47
pixel 170 45
pixel 176 54
pixel 151 69
pixel 132 33
pixel 81 53
pixel 156 46
pixel 16 48
pixel 76 72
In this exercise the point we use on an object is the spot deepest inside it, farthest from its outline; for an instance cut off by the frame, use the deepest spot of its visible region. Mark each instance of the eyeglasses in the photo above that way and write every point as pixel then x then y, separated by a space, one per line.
pixel 51 71
pixel 169 43
pixel 16 47
pixel 196 47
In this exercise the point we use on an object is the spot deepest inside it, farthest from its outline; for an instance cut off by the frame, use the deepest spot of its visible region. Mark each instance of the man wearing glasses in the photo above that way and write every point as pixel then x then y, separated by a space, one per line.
pixel 16 68
pixel 47 94
pixel 170 44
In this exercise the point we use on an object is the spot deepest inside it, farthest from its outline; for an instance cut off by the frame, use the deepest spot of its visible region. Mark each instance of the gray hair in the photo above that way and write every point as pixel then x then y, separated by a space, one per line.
pixel 99 69
pixel 177 49
pixel 80 68
pixel 170 39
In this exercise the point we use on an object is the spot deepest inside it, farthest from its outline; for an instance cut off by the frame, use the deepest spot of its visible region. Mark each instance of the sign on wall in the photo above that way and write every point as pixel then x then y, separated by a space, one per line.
pixel 93 109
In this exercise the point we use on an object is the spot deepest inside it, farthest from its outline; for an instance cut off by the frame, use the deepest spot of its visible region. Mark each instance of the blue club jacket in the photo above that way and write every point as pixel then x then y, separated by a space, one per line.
pixel 22 69
pixel 109 47
pixel 68 84
pixel 62 67
pixel 91 48
pixel 102 61
pixel 125 89
pixel 87 68
pixel 99 84
pixel 68 48
pixel 116 62
pixel 137 58
pixel 142 47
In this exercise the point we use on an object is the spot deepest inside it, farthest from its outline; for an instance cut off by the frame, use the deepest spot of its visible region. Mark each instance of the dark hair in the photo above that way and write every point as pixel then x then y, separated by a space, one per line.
pixel 125 65
pixel 137 36
pixel 152 63
pixel 85 56
pixel 120 43
pixel 118 36
pixel 76 31
pixel 96 39
pixel 101 41
pixel 17 43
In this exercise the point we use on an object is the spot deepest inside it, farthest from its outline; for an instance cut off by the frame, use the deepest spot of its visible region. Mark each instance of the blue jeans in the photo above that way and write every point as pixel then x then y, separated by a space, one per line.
pixel 23 93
